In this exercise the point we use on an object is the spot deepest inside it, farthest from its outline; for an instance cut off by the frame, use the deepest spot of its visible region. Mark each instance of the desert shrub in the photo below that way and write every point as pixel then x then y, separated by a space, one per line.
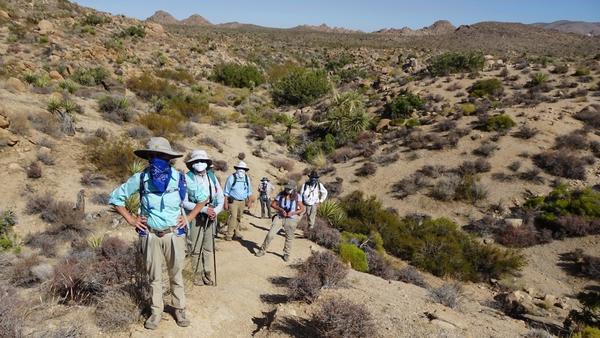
pixel 220 165
pixel 573 141
pixel 420 242
pixel 160 124
pixel 37 80
pixel 180 75
pixel 486 149
pixel 300 86
pixel 451 62
pixel 487 88
pixel 590 115
pixel 147 86
pixel 445 125
pixel 188 106
pixel 585 265
pixel 501 122
pixel 367 169
pixel 11 313
pixel 136 31
pixel 379 266
pixel 111 157
pixel 467 108
pixel 46 157
pixel 526 132
pixel 46 242
pixel 22 271
pixel 567 212
pixel 411 275
pixel 449 294
pixel 115 109
pixel 350 253
pixel 90 76
pixel 474 167
pixel 560 69
pixel 74 281
pixel 532 175
pixel 445 189
pixel 471 190
pixel 323 234
pixel 581 71
pixel 116 311
pixel 562 163
pixel 410 185
pixel 34 170
pixel 320 270
pixel 520 237
pixel 93 19
pixel 331 211
pixel 92 179
pixel 403 105
pixel 585 321
pixel 338 317
pixel 236 75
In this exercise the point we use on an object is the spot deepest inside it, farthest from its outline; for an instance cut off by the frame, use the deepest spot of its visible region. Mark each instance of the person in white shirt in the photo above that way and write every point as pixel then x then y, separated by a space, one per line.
pixel 265 190
pixel 201 236
pixel 313 193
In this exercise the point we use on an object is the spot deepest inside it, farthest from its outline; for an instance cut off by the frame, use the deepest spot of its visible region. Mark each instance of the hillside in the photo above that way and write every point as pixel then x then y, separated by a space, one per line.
pixel 463 169
pixel 577 27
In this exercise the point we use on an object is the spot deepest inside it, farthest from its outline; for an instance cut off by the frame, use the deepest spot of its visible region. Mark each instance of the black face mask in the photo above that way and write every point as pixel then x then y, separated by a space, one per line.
pixel 313 181
pixel 287 191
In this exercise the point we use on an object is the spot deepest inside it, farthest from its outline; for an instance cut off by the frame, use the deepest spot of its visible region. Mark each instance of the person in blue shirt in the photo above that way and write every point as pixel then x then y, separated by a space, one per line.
pixel 238 190
pixel 161 222
pixel 202 229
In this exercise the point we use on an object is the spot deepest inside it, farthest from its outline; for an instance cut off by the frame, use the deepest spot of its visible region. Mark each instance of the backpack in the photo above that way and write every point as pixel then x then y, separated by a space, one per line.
pixel 235 180
pixel 181 188
pixel 293 206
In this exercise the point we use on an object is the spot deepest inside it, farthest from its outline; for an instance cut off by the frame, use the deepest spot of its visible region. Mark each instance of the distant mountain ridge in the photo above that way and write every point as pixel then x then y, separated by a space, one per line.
pixel 439 27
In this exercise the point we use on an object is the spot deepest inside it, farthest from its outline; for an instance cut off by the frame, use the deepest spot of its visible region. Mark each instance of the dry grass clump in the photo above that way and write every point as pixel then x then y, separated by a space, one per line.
pixel 139 132
pixel 212 142
pixel 338 317
pixel 220 165
pixel 585 265
pixel 449 294
pixel 323 234
pixel 67 222
pixel 486 149
pixel 526 132
pixel 367 169
pixel 410 185
pixel 34 170
pixel 320 270
pixel 411 275
pixel 283 164
pixel 454 187
pixel 111 157
pixel 11 316
pixel 46 157
pixel 92 179
pixel 115 109
pixel 116 311
pixel 19 124
pixel 590 115
pixel 576 140
pixel 22 270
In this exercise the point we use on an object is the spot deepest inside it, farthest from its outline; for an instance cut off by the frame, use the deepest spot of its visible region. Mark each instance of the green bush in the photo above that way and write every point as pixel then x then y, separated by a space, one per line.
pixel 588 332
pixel 147 86
pixel 95 20
pixel 69 86
pixel 180 75
pixel 111 157
pixel 435 245
pixel 467 108
pixel 38 80
pixel 487 88
pixel 137 31
pixel 332 212
pixel 449 63
pixel 403 105
pixel 236 75
pixel 90 76
pixel 538 79
pixel 164 125
pixel 188 106
pixel 300 86
pixel 350 253
pixel 115 108
pixel 582 71
pixel 499 122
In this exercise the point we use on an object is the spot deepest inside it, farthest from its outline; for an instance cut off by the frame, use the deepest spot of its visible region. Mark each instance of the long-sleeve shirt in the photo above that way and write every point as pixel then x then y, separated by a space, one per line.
pixel 266 188
pixel 241 190
pixel 288 204
pixel 162 210
pixel 218 199
pixel 313 194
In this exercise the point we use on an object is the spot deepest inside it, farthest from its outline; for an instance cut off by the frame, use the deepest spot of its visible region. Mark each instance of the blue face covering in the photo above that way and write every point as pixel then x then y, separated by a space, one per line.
pixel 160 173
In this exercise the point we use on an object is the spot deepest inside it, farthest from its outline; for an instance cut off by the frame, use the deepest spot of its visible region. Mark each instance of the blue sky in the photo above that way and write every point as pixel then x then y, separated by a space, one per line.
pixel 367 15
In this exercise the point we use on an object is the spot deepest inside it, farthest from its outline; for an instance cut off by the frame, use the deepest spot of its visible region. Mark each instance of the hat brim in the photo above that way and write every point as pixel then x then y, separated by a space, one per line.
pixel 147 154
pixel 196 160
pixel 247 169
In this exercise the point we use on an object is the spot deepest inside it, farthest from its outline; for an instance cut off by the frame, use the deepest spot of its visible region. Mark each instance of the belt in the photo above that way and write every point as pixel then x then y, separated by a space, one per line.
pixel 161 233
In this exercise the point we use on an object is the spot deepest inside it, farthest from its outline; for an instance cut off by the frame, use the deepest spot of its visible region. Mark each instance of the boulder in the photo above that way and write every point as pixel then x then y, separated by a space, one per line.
pixel 15 85
pixel 155 29
pixel 518 303
pixel 45 27
pixel 7 138
pixel 4 122
pixel 54 75
pixel 4 15
pixel 384 124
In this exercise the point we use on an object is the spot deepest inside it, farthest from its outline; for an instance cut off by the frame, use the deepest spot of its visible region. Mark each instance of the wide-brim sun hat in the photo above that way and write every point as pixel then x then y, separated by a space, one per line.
pixel 241 165
pixel 157 146
pixel 199 156
pixel 313 174
pixel 264 179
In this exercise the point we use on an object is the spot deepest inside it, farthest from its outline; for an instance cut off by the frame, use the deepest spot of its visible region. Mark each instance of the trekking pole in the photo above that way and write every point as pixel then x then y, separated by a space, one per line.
pixel 214 251
pixel 201 246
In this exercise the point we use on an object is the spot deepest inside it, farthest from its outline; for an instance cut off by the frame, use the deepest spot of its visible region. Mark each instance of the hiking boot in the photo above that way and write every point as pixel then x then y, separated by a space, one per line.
pixel 152 322
pixel 181 319
pixel 260 253
pixel 198 280
pixel 286 258
pixel 238 237
pixel 207 279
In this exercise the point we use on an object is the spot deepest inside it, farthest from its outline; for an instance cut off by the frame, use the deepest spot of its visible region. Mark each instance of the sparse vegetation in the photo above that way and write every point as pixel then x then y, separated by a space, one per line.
pixel 90 76
pixel 115 109
pixel 561 163
pixel 236 75
pixel 449 63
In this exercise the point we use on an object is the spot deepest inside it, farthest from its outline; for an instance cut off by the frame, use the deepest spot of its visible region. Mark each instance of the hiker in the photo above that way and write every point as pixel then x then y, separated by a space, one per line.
pixel 161 223
pixel 237 191
pixel 265 190
pixel 288 205
pixel 202 229
pixel 313 193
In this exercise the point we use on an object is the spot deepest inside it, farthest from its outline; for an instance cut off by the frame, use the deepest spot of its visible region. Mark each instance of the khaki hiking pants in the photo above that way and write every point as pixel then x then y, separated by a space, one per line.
pixel 265 207
pixel 200 243
pixel 311 215
pixel 170 248
pixel 289 226
pixel 236 209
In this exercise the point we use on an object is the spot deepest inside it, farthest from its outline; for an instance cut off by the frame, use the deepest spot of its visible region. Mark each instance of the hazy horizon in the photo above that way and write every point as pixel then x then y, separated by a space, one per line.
pixel 360 15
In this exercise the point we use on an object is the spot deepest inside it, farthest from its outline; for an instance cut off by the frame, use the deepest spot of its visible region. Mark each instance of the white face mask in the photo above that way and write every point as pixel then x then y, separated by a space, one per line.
pixel 240 173
pixel 199 167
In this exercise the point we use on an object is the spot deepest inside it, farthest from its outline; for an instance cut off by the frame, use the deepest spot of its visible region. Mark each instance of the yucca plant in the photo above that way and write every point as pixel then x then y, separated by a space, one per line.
pixel 136 166
pixel 95 241
pixel 132 204
pixel 332 212
pixel 539 79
